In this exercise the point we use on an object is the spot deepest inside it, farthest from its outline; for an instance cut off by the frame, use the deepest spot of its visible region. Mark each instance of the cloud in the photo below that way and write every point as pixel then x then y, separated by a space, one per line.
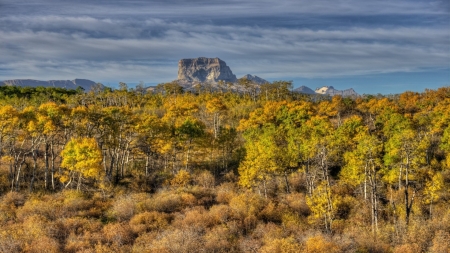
pixel 231 8
pixel 135 40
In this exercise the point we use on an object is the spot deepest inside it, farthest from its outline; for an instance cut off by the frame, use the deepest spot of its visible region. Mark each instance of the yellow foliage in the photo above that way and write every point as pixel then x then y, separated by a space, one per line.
pixel 82 155
pixel 181 179
pixel 432 188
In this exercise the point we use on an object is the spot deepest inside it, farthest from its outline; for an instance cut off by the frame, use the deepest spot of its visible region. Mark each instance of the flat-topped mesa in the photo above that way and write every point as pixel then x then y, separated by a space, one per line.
pixel 204 69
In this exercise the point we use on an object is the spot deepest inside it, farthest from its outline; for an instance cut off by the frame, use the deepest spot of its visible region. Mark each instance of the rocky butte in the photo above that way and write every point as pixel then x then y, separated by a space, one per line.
pixel 204 69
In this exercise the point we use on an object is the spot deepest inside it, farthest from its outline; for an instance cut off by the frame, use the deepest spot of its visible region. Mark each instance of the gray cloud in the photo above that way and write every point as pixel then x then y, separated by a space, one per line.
pixel 111 40
pixel 215 8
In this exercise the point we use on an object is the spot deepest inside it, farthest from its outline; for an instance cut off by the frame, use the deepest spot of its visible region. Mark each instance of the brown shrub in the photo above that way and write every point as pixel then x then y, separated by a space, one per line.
pixel 292 222
pixel 149 221
pixel 118 234
pixel 204 196
pixel 35 226
pixel 249 244
pixel 297 202
pixel 225 192
pixel 83 243
pixel 219 240
pixel 142 244
pixel 177 241
pixel 76 203
pixel 441 242
pixel 15 198
pixel 76 243
pixel 281 245
pixel 126 206
pixel 419 234
pixel 364 240
pixel 247 204
pixel 9 243
pixel 272 212
pixel 43 244
pixel 297 182
pixel 104 248
pixel 46 206
pixel 62 229
pixel 319 244
pixel 220 214
pixel 196 217
pixel 9 204
pixel 165 201
pixel 123 208
pixel 204 179
pixel 187 199
pixel 407 248
pixel 268 231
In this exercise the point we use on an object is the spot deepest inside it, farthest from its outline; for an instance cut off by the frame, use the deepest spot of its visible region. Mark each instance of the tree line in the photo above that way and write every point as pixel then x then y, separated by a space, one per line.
pixel 387 155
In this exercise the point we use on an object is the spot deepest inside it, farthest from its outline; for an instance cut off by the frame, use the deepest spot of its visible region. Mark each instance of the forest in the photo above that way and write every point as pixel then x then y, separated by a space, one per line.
pixel 266 170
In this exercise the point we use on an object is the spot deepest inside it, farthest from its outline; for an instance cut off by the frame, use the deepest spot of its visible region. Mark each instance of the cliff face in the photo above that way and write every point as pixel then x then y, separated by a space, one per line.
pixel 204 69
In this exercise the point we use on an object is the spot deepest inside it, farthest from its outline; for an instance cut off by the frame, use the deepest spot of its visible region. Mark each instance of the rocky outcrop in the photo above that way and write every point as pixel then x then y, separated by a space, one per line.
pixel 254 79
pixel 204 69
pixel 68 84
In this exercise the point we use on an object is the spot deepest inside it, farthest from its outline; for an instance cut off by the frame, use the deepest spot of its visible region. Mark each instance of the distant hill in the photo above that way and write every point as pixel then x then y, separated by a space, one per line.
pixel 68 84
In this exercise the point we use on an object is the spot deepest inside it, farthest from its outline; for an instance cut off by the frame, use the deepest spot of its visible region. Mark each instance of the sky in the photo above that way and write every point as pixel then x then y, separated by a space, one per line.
pixel 377 46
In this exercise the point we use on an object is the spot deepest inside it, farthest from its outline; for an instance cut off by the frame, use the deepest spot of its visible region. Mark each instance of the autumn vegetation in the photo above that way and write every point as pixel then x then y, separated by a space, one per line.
pixel 263 170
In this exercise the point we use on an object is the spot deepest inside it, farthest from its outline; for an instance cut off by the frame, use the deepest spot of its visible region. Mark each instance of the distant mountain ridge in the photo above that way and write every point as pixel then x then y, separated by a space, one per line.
pixel 304 90
pixel 87 85
pixel 330 90
pixel 195 72
pixel 255 79
pixel 193 75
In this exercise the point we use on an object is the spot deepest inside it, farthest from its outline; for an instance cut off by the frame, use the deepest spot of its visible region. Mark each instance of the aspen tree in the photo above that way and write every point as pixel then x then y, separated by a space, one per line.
pixel 82 158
